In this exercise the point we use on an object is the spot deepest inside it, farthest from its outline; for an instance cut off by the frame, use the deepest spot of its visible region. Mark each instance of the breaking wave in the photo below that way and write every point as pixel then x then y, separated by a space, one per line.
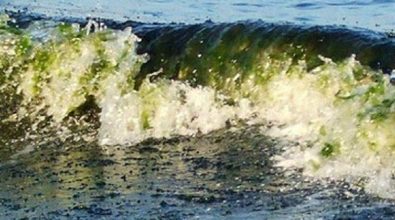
pixel 321 88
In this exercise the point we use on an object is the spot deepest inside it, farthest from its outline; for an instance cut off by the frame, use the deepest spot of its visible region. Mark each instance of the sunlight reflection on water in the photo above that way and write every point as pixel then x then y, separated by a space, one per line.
pixel 372 14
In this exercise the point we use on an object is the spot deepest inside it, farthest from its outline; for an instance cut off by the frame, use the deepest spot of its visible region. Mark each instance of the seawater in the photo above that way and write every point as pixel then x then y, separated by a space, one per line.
pixel 205 120
pixel 372 14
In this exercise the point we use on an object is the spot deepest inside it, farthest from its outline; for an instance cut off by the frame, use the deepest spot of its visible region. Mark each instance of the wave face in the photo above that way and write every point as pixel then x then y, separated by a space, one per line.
pixel 320 88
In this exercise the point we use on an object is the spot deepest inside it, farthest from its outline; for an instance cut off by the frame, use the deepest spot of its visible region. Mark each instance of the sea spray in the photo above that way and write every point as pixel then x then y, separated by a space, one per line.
pixel 165 109
pixel 71 66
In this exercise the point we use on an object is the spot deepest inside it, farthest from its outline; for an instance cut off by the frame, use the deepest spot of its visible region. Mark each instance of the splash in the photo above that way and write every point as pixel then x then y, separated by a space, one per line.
pixel 164 109
pixel 72 65
pixel 342 116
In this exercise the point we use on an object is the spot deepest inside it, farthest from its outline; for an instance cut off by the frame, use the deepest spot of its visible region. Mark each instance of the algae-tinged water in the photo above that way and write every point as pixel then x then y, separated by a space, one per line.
pixel 250 129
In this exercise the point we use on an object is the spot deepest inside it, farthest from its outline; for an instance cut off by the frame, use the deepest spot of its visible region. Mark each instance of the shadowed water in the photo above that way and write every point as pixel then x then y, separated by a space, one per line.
pixel 222 175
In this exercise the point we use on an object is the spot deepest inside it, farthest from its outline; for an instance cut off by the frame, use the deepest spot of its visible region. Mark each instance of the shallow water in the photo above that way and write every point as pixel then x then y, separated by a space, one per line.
pixel 226 120
pixel 222 175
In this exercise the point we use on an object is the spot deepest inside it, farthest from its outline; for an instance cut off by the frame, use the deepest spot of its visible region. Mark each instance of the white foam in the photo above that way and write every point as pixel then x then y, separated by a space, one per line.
pixel 365 145
pixel 163 109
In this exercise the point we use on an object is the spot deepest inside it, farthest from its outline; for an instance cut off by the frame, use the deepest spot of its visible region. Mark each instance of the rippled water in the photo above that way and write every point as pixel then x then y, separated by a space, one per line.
pixel 227 174
pixel 235 120
pixel 372 14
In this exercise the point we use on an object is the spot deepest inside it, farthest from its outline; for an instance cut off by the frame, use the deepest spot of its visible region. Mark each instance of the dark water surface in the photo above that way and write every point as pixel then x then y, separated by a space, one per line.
pixel 222 175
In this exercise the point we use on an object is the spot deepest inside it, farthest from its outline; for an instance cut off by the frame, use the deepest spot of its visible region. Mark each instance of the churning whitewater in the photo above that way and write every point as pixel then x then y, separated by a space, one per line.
pixel 336 114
